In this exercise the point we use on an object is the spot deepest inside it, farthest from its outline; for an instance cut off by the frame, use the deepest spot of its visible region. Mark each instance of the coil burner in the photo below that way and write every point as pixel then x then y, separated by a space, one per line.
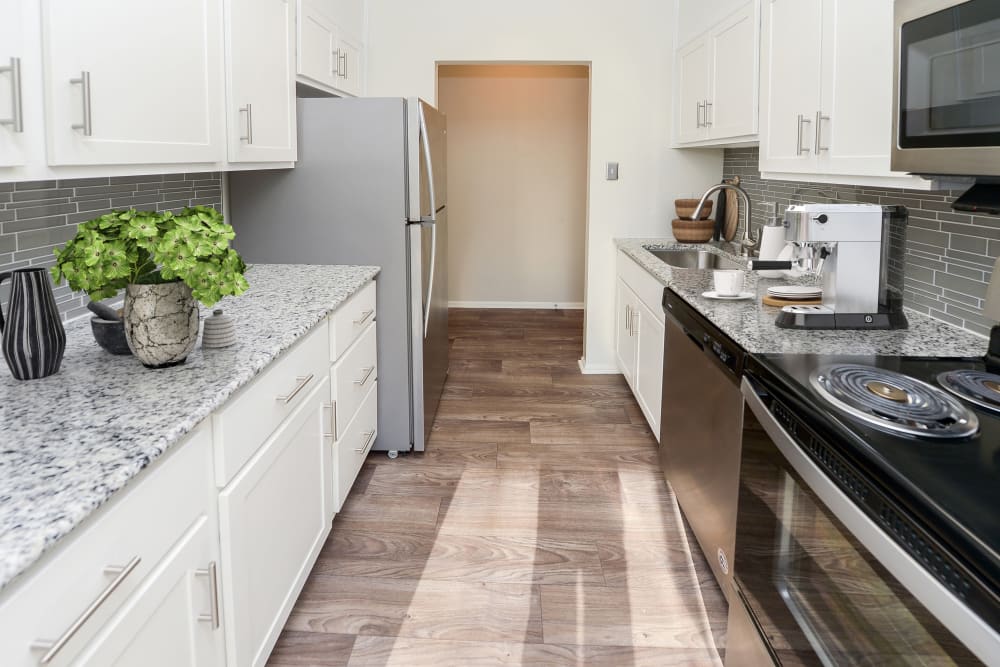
pixel 894 402
pixel 978 387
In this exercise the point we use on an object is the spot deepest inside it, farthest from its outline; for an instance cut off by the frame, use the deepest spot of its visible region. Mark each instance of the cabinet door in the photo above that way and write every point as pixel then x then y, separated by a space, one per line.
pixel 13 60
pixel 856 120
pixel 169 620
pixel 790 83
pixel 625 341
pixel 261 65
pixel 132 82
pixel 349 70
pixel 350 16
pixel 692 90
pixel 273 523
pixel 316 45
pixel 732 108
pixel 649 367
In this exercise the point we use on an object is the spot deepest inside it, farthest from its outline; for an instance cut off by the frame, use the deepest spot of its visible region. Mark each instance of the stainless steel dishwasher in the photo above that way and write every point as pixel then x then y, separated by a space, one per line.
pixel 700 428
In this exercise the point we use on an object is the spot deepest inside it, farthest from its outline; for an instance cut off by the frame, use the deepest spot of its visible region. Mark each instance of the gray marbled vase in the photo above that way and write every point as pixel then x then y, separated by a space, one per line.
pixel 161 323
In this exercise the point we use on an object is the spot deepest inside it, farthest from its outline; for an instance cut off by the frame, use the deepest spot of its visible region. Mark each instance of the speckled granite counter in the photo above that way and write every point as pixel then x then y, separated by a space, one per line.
pixel 751 324
pixel 68 442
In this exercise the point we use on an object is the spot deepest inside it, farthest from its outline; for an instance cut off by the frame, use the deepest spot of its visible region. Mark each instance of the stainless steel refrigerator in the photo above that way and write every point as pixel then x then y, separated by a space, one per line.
pixel 369 187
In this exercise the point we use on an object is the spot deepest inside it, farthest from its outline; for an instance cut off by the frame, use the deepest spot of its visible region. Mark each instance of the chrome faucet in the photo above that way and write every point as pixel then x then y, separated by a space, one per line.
pixel 748 243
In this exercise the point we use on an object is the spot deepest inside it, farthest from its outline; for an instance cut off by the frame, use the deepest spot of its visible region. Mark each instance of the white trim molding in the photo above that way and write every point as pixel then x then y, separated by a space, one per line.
pixel 597 370
pixel 534 305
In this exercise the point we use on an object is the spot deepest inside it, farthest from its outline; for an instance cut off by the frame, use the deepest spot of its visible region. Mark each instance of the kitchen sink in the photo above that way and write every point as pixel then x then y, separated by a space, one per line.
pixel 695 259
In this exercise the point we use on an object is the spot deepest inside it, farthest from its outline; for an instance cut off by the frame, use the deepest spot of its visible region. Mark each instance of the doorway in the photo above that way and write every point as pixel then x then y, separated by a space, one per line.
pixel 517 183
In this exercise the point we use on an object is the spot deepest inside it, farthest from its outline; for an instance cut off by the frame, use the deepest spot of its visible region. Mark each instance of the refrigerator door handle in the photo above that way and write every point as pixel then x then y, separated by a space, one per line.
pixel 430 282
pixel 425 144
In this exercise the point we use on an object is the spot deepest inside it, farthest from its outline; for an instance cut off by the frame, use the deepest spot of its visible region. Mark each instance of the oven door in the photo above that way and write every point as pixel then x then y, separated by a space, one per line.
pixel 947 88
pixel 811 584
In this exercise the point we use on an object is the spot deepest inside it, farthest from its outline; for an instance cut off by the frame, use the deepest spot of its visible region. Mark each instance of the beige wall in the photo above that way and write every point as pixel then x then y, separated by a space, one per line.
pixel 517 183
pixel 629 46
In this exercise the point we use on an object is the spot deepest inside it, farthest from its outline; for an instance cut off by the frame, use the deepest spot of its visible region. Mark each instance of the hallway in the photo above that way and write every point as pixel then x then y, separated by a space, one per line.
pixel 535 530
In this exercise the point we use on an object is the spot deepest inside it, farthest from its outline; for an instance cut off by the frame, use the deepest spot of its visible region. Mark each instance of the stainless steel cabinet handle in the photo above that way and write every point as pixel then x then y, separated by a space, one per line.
pixel 343 69
pixel 819 133
pixel 635 314
pixel 248 137
pixel 799 148
pixel 88 124
pixel 708 105
pixel 628 320
pixel 367 374
pixel 364 317
pixel 333 420
pixel 368 442
pixel 697 115
pixel 16 120
pixel 302 382
pixel 336 62
pixel 212 572
pixel 52 648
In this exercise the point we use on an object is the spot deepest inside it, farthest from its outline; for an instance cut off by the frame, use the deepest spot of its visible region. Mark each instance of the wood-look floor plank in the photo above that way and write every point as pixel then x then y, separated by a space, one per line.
pixel 430 609
pixel 577 457
pixel 311 649
pixel 462 431
pixel 407 652
pixel 532 409
pixel 611 435
pixel 388 514
pixel 645 486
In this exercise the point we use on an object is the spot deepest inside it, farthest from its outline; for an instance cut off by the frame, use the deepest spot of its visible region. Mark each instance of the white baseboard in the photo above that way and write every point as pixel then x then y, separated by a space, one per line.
pixel 597 370
pixel 534 305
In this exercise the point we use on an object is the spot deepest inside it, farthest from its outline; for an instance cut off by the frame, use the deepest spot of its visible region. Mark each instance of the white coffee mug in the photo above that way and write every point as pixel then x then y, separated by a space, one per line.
pixel 729 282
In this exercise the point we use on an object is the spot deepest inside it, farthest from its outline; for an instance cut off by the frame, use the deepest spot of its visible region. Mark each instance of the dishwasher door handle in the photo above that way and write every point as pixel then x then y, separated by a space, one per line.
pixel 701 346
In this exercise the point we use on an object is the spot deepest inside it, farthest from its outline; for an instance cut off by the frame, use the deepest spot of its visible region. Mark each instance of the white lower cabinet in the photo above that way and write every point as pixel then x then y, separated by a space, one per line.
pixel 273 524
pixel 639 336
pixel 174 617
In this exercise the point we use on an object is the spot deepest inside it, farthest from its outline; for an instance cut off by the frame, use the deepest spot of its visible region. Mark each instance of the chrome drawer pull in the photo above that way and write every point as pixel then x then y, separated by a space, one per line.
pixel 364 317
pixel 16 120
pixel 87 125
pixel 248 137
pixel 333 421
pixel 336 60
pixel 302 382
pixel 212 572
pixel 368 442
pixel 818 145
pixel 367 374
pixel 799 148
pixel 52 648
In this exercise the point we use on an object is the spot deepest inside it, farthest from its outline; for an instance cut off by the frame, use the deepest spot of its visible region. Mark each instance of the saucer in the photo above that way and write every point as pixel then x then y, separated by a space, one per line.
pixel 712 294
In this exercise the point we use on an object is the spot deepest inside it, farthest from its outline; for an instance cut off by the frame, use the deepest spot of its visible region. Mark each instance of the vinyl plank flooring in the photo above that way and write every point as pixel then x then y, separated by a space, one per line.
pixel 406 652
pixel 311 649
pixel 428 609
pixel 536 528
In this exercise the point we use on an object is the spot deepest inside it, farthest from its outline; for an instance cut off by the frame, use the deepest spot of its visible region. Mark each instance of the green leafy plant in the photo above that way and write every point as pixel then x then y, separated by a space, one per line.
pixel 148 247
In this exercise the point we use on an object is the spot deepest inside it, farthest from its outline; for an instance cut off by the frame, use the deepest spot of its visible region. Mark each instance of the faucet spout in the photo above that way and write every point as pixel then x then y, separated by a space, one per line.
pixel 747 242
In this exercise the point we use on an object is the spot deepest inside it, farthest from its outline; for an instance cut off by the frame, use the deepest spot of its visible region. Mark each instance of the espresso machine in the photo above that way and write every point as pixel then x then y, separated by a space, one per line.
pixel 858 250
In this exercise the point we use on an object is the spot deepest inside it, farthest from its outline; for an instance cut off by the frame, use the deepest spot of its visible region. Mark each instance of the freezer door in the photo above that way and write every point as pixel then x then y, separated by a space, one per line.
pixel 426 157
pixel 429 321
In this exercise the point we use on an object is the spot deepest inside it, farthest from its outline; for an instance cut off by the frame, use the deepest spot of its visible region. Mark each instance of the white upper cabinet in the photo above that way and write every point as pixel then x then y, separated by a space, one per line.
pixel 133 82
pixel 716 80
pixel 13 62
pixel 826 92
pixel 330 45
pixel 260 59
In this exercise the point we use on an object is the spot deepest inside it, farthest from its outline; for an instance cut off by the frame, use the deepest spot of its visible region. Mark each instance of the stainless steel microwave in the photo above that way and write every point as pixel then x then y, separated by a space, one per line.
pixel 946 102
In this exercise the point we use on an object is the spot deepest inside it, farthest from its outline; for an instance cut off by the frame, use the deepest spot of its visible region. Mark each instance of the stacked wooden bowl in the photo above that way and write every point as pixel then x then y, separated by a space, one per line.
pixel 688 230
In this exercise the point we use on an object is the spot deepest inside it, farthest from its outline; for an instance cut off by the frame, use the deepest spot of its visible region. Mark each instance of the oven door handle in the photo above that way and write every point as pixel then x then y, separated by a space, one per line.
pixel 969 628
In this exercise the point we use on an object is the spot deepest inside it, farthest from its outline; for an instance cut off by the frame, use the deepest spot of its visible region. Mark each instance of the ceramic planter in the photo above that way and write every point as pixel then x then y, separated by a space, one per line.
pixel 161 323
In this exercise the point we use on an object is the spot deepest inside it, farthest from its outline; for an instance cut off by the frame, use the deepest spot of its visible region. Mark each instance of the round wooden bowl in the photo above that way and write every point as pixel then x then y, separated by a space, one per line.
pixel 685 208
pixel 693 231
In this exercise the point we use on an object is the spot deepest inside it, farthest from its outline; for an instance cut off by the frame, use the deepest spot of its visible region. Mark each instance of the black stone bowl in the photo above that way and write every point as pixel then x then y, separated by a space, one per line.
pixel 110 335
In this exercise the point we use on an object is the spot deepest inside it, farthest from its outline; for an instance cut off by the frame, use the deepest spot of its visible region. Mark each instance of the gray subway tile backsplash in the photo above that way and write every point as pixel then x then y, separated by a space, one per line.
pixel 949 254
pixel 38 216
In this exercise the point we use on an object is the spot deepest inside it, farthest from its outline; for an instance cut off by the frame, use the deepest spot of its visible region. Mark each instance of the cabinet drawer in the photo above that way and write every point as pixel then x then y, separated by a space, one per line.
pixel 647 287
pixel 352 377
pixel 249 419
pixel 351 319
pixel 134 532
pixel 350 451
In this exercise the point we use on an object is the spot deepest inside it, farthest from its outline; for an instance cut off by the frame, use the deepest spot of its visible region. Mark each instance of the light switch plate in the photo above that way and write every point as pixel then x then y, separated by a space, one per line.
pixel 612 171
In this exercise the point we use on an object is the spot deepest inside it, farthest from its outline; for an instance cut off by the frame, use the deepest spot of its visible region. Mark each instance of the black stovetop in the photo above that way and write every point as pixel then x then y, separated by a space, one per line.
pixel 953 486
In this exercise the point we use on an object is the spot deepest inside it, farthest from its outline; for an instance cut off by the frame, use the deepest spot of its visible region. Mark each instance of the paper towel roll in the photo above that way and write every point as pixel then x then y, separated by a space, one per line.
pixel 772 242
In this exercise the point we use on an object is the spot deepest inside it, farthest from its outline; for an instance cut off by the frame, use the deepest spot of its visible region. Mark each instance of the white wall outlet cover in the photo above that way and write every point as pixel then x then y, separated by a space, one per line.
pixel 612 173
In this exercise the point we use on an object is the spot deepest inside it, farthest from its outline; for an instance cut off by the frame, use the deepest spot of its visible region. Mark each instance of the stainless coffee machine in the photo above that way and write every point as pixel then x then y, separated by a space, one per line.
pixel 858 249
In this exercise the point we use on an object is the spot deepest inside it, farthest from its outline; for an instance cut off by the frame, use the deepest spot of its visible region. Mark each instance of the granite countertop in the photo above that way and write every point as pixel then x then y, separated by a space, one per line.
pixel 68 442
pixel 751 324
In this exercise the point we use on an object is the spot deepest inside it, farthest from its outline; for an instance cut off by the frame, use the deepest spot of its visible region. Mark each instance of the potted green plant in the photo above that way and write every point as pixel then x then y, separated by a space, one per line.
pixel 165 262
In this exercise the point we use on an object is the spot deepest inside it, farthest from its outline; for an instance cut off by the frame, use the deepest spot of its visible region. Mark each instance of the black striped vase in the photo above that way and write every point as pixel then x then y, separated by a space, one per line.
pixel 33 339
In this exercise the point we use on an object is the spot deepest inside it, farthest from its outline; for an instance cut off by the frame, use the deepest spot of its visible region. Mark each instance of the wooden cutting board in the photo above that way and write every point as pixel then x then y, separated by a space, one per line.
pixel 769 300
pixel 732 221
